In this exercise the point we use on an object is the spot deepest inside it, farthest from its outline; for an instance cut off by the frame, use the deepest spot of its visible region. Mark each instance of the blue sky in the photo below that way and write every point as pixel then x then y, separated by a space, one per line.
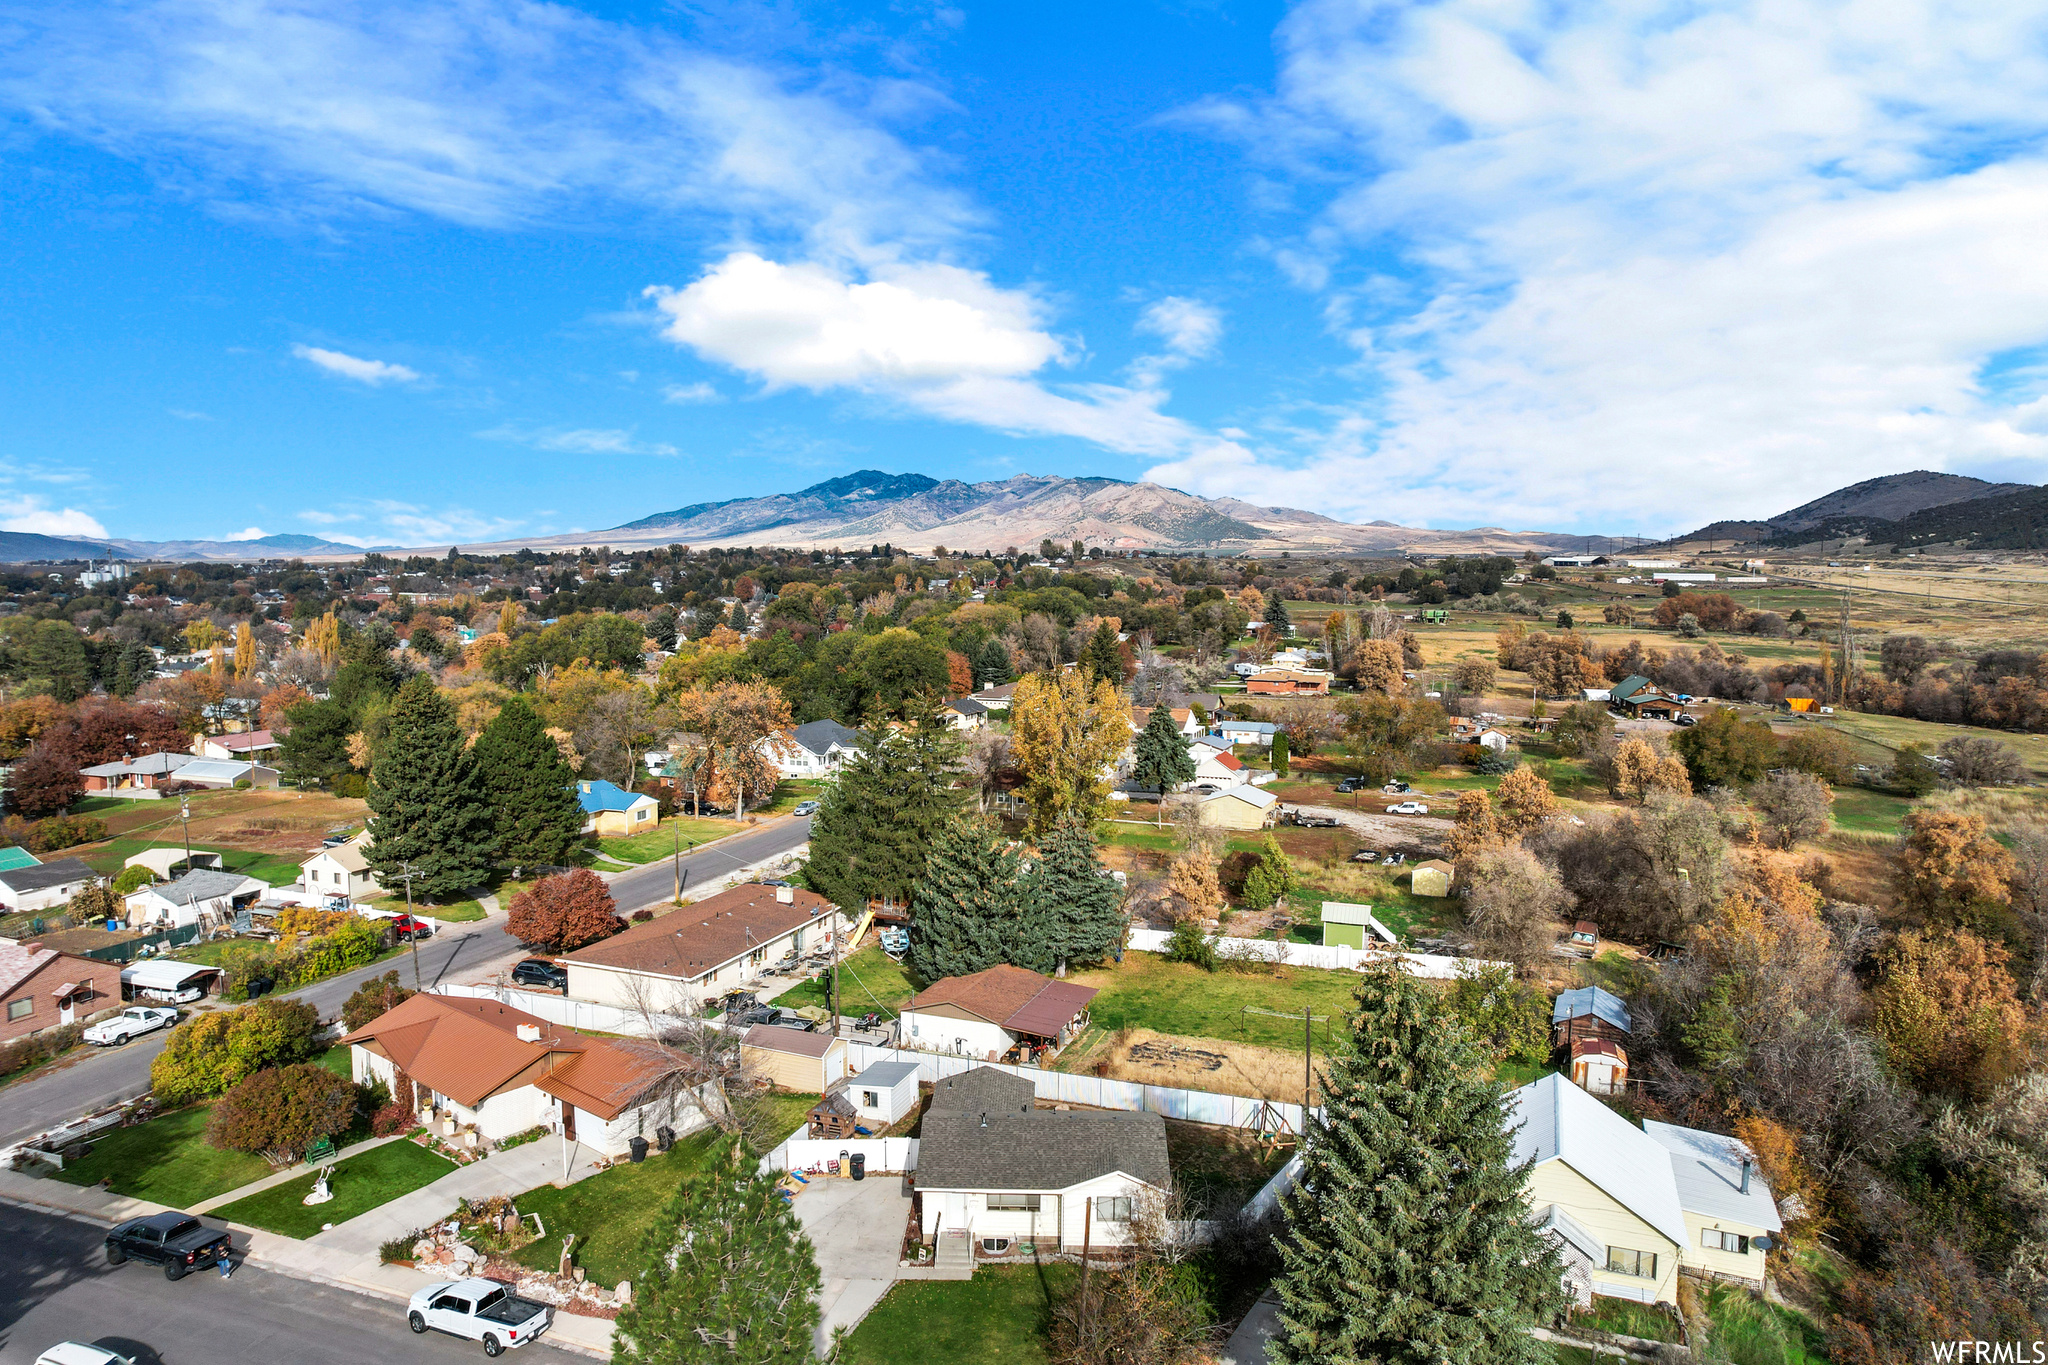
pixel 450 271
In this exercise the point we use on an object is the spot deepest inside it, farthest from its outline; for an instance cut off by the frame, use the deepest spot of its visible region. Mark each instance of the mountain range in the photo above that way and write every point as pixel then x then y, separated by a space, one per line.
pixel 1917 507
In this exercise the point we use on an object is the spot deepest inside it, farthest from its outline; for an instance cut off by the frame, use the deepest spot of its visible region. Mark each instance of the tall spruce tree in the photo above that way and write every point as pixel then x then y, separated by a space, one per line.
pixel 1076 912
pixel 877 821
pixel 727 1275
pixel 531 788
pixel 992 664
pixel 969 911
pixel 1408 1240
pixel 427 805
pixel 1102 657
pixel 1160 760
pixel 1276 616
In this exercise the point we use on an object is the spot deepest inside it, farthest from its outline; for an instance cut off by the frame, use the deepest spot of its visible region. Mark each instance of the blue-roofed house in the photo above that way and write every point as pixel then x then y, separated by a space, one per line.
pixel 1588 1012
pixel 609 809
pixel 1246 731
pixel 15 856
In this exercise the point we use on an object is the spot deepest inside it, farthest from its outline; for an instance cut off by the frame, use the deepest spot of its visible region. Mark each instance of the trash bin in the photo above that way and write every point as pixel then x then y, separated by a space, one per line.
pixel 664 1137
pixel 860 1165
pixel 638 1147
pixel 845 1163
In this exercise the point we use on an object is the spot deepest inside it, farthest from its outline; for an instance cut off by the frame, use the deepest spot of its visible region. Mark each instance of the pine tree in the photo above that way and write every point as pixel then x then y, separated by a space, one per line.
pixel 968 912
pixel 727 1275
pixel 428 808
pixel 876 822
pixel 1276 616
pixel 1278 754
pixel 1076 912
pixel 661 627
pixel 1408 1239
pixel 992 664
pixel 738 619
pixel 705 619
pixel 1102 657
pixel 531 789
pixel 1271 877
pixel 1161 761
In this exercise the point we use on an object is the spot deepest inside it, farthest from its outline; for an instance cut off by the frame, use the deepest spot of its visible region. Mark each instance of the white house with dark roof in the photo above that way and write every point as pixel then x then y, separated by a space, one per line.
pixel 182 902
pixel 814 749
pixel 39 886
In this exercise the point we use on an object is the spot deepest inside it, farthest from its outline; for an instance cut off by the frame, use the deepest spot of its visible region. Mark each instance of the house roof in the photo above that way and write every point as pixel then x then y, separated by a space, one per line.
pixel 163 975
pixel 600 795
pixel 885 1075
pixel 1598 1047
pixel 607 1077
pixel 1245 792
pixel 243 741
pixel 15 856
pixel 20 961
pixel 1229 761
pixel 41 876
pixel 349 855
pixel 819 736
pixel 1436 865
pixel 967 706
pixel 147 765
pixel 1628 687
pixel 691 941
pixel 983 1132
pixel 1554 1120
pixel 219 770
pixel 794 1041
pixel 1014 998
pixel 1708 1170
pixel 1249 727
pixel 1001 693
pixel 1345 912
pixel 205 884
pixel 1576 1004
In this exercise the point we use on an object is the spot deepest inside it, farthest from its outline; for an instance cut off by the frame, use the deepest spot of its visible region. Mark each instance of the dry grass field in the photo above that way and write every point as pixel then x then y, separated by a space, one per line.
pixel 1149 1057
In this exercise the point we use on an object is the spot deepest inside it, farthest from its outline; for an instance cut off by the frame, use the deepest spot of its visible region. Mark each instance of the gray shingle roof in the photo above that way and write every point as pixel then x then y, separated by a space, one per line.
pixel 983 1133
pixel 818 736
pixel 203 884
pixel 45 875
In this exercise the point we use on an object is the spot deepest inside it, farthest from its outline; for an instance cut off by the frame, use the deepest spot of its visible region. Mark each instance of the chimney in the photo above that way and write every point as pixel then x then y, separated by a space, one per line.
pixel 785 895
pixel 529 1033
pixel 1745 1175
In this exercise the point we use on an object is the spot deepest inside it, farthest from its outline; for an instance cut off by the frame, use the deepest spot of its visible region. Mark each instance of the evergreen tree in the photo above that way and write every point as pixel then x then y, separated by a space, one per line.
pixel 1408 1239
pixel 968 911
pixel 135 666
pixel 727 1275
pixel 428 807
pixel 1076 906
pixel 738 619
pixel 532 790
pixel 1276 616
pixel 706 619
pixel 1102 657
pixel 661 627
pixel 1270 878
pixel 1161 761
pixel 876 822
pixel 1279 753
pixel 992 664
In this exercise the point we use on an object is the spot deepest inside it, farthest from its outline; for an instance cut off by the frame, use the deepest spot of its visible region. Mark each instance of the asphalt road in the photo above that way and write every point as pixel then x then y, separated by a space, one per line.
pixel 104 1076
pixel 55 1286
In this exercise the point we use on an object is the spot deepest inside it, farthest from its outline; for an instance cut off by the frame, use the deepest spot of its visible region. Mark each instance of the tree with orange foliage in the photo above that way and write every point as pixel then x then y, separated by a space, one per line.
pixel 1949 1014
pixel 278 700
pixel 1526 801
pixel 1478 827
pixel 564 912
pixel 743 725
pixel 1640 769
pixel 1949 870
pixel 959 673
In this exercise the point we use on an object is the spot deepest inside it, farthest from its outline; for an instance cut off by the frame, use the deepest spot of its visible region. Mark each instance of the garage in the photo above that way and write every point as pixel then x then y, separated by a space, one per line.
pixel 164 982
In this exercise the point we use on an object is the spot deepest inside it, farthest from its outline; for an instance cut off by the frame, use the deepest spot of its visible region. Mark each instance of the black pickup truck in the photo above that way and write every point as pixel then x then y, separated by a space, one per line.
pixel 176 1241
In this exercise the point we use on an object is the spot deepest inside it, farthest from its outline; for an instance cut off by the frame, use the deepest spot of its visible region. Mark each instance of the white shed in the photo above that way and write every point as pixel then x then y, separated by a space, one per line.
pixel 885 1092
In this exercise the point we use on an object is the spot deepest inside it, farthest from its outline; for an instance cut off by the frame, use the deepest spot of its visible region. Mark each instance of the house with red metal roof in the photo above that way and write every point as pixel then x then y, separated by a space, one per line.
pixel 988 1014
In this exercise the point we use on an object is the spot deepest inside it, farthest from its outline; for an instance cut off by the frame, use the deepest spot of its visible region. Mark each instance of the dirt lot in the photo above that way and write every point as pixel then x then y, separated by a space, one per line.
pixel 282 823
pixel 1153 1058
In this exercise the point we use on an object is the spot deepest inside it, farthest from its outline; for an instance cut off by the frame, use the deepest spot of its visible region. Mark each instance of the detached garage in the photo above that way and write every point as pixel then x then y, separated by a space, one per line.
pixel 795 1060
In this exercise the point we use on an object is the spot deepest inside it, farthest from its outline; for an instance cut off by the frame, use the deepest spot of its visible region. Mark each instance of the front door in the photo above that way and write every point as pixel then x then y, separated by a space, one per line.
pixel 65 1011
pixel 569 1121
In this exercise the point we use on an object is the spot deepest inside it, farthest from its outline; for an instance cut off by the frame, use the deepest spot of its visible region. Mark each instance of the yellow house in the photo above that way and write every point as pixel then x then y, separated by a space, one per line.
pixel 1731 1220
pixel 609 809
pixel 1240 807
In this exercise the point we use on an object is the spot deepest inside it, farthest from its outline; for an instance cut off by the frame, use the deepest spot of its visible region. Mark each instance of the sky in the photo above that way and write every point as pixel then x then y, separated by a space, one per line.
pixel 449 271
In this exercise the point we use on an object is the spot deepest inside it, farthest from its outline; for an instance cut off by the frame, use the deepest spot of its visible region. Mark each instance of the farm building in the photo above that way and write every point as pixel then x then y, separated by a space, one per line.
pixel 1599 1066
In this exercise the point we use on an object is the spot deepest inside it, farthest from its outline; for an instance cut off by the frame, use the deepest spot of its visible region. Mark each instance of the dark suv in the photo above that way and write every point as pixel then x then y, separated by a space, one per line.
pixel 176 1241
pixel 538 971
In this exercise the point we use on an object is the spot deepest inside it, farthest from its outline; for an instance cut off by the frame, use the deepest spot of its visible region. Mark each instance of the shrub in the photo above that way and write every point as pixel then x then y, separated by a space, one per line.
pixel 133 879
pixel 93 903
pixel 390 1118
pixel 564 912
pixel 213 1052
pixel 351 785
pixel 398 1251
pixel 1191 945
pixel 279 1112
pixel 64 831
pixel 642 916
pixel 375 997
pixel 23 1053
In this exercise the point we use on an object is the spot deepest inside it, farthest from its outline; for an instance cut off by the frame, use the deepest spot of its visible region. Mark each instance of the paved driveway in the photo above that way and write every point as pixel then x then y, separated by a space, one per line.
pixel 857 1229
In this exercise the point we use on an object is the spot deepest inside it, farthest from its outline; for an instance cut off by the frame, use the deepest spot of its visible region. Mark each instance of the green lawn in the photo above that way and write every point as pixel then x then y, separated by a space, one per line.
pixel 1748 1331
pixel 1147 991
pixel 1629 1319
pixel 1894 731
pixel 1863 810
pixel 336 1059
pixel 867 981
pixel 107 858
pixel 657 844
pixel 458 912
pixel 611 1211
pixel 361 1183
pixel 1000 1317
pixel 166 1161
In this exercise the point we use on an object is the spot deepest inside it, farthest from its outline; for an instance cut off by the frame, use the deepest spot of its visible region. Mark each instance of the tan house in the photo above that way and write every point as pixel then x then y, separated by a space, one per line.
pixel 1241 807
pixel 340 871
pixel 610 810
pixel 795 1060
pixel 680 959
pixel 42 988
pixel 988 1013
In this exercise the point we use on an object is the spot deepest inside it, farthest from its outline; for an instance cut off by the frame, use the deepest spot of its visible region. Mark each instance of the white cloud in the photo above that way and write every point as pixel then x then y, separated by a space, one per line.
pixel 188 415
pixel 699 392
pixel 410 524
pixel 1665 264
pixel 246 533
pixel 1190 328
pixel 371 372
pixel 579 440
pixel 320 518
pixel 30 513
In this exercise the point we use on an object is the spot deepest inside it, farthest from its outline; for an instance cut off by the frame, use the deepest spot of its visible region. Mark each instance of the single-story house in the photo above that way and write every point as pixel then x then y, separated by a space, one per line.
pixel 1485 736
pixel 200 892
pixel 883 1093
pixel 164 978
pixel 1599 1066
pixel 240 745
pixel 1246 731
pixel 1288 682
pixel 1215 765
pixel 43 988
pixel 138 777
pixel 814 749
pixel 996 698
pixel 40 886
pixel 224 773
pixel 502 1071
pixel 1731 1219
pixel 343 870
pixel 1183 720
pixel 1588 1012
pixel 1001 1174
pixel 682 957
pixel 1244 806
pixel 609 809
pixel 168 862
pixel 1432 878
pixel 987 1013
pixel 965 713
pixel 1346 925
pixel 793 1058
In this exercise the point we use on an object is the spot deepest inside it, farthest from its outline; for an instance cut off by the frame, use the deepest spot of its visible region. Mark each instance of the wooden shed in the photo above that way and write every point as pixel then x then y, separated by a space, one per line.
pixel 793 1058
pixel 1432 878
pixel 833 1117
pixel 1599 1066
pixel 1589 1012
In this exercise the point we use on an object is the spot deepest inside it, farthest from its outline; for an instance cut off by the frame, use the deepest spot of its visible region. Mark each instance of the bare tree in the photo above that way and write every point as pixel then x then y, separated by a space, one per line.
pixel 1513 903
pixel 987 757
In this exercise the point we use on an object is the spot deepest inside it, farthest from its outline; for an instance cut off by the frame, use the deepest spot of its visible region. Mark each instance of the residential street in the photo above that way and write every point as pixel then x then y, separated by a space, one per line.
pixel 55 1286
pixel 103 1077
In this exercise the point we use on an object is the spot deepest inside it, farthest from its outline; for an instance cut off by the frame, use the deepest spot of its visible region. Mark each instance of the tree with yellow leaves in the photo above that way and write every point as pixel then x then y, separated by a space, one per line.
pixel 1639 769
pixel 217 663
pixel 199 634
pixel 1949 1014
pixel 1526 801
pixel 508 618
pixel 1478 827
pixel 742 724
pixel 323 637
pixel 1066 730
pixel 245 651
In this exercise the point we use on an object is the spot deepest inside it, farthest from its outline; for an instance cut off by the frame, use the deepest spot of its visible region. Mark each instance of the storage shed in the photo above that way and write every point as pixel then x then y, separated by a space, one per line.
pixel 1349 926
pixel 1599 1066
pixel 884 1093
pixel 1432 878
pixel 793 1058
pixel 1589 1012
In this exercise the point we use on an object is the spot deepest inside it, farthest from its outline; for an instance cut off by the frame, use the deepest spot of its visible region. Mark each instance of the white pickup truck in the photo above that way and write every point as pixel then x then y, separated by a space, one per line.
pixel 130 1023
pixel 481 1310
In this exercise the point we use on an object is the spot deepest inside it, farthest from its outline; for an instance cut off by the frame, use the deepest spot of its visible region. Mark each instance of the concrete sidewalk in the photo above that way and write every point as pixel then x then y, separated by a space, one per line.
pixel 507 1173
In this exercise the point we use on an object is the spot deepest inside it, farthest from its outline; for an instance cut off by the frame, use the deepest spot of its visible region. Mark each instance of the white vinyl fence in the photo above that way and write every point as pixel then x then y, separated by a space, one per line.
pixel 812 1155
pixel 1430 965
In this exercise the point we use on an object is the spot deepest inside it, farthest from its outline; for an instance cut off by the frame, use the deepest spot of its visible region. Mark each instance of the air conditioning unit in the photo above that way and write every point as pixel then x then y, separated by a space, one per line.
pixel 785 895
pixel 529 1033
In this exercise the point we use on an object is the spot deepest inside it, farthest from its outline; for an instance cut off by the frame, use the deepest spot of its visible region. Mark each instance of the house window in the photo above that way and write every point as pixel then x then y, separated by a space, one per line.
pixel 995 1246
pixel 870 1100
pixel 1026 1203
pixel 20 1009
pixel 1641 1264
pixel 1113 1208
pixel 1716 1240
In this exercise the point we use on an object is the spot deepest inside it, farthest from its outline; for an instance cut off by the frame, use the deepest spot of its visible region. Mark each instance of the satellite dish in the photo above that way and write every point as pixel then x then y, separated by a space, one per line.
pixel 1762 1243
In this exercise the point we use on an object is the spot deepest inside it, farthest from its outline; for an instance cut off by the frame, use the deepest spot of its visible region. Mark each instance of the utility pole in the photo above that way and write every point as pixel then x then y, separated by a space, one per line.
pixel 185 819
pixel 1308 1080
pixel 405 874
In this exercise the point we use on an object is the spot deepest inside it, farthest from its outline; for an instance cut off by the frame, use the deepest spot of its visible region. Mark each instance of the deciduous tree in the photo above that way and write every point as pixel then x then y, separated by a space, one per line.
pixel 564 912
pixel 279 1112
pixel 1724 750
pixel 744 723
pixel 1066 728
pixel 1640 769
pixel 1525 800
pixel 372 1000
pixel 1949 869
pixel 1949 1015
pixel 1514 902
pixel 1792 806
pixel 209 1053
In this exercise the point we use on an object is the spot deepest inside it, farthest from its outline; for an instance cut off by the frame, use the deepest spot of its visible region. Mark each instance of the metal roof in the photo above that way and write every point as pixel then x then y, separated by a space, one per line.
pixel 204 884
pixel 1344 912
pixel 600 795
pixel 1708 1170
pixel 163 975
pixel 13 857
pixel 885 1075
pixel 1554 1120
pixel 1585 1000
pixel 228 770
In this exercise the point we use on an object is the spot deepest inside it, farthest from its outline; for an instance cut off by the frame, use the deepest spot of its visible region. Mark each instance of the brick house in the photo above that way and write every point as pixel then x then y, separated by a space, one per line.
pixel 42 988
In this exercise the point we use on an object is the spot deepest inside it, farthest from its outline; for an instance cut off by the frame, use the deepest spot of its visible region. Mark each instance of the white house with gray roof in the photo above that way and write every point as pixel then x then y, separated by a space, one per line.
pixel 40 886
pixel 814 749
pixel 180 903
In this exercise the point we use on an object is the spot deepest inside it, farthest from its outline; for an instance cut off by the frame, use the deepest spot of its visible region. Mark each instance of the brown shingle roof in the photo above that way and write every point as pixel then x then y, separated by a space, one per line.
pixel 698 938
pixel 1013 997
pixel 794 1041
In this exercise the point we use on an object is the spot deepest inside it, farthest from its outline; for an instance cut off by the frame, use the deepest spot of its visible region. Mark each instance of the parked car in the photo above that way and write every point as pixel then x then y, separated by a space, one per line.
pixel 176 1241
pixel 407 927
pixel 78 1353
pixel 538 971
pixel 478 1310
pixel 1408 808
pixel 806 808
pixel 1395 787
pixel 1306 820
pixel 130 1023
pixel 1352 784
pixel 1685 718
